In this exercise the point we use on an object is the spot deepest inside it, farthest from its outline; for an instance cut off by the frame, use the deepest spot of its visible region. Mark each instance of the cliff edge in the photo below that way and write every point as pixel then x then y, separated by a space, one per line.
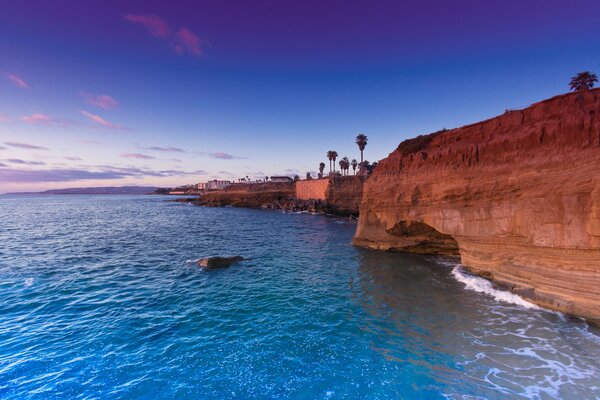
pixel 516 196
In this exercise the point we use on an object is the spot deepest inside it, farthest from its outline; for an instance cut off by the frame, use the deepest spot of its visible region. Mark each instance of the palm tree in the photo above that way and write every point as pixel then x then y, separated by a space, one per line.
pixel 332 155
pixel 361 141
pixel 321 168
pixel 354 163
pixel 346 164
pixel 583 81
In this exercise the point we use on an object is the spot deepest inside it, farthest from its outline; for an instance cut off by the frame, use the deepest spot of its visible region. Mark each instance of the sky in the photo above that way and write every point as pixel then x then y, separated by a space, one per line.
pixel 164 93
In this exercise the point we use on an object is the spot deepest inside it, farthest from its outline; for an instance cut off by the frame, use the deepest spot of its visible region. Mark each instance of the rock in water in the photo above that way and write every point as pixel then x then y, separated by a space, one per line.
pixel 218 262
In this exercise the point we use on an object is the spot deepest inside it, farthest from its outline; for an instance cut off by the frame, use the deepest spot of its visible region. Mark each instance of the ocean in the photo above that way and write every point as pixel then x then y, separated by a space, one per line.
pixel 100 299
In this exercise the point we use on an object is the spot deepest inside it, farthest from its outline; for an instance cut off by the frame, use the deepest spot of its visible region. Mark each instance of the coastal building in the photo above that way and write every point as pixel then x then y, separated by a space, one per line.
pixel 213 185
pixel 281 179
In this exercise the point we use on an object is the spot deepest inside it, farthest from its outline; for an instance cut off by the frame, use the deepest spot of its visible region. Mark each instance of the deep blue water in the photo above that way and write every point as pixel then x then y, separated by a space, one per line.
pixel 97 302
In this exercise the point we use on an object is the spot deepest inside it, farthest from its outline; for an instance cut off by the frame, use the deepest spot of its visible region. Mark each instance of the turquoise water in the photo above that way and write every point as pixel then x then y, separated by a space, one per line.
pixel 97 301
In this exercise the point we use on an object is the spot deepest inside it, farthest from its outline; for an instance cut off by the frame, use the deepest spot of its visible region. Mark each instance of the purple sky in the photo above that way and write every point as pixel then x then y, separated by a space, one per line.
pixel 97 93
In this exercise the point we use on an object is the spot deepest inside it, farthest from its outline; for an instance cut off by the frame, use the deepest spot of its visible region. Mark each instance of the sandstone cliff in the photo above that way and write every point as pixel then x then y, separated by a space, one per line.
pixel 344 194
pixel 517 196
pixel 254 195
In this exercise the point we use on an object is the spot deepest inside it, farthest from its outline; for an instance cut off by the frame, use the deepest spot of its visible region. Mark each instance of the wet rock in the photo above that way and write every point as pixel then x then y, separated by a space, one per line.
pixel 218 262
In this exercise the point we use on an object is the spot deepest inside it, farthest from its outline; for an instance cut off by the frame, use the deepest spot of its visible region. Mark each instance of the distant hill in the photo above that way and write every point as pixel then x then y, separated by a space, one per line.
pixel 101 190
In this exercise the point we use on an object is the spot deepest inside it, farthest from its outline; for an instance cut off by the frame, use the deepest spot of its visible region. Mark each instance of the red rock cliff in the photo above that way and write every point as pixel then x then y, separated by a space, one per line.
pixel 517 196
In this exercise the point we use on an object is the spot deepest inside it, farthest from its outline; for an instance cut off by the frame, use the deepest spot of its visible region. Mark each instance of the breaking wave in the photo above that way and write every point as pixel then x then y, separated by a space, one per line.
pixel 481 285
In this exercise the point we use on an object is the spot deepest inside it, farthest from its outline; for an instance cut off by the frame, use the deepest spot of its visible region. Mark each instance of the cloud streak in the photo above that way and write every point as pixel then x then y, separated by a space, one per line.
pixel 23 162
pixel 155 25
pixel 186 41
pixel 17 81
pixel 38 119
pixel 219 155
pixel 26 146
pixel 103 101
pixel 138 156
pixel 165 149
pixel 101 121
pixel 183 41
pixel 15 175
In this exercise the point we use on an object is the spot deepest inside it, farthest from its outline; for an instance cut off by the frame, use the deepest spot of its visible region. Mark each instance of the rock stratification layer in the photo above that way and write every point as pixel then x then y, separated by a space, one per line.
pixel 517 196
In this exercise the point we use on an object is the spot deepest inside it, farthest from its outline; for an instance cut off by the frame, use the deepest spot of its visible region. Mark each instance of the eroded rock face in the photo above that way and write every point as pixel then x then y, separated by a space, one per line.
pixel 518 195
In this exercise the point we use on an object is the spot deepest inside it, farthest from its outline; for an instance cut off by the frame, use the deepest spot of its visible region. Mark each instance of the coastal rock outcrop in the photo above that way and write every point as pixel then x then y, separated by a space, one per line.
pixel 253 195
pixel 517 196
pixel 218 262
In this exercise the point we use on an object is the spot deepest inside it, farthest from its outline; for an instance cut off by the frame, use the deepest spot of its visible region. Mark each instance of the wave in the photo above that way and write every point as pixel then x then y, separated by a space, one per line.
pixel 28 282
pixel 481 285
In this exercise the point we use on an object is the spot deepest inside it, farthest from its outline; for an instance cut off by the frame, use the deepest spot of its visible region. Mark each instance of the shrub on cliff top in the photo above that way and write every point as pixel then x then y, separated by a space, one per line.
pixel 421 142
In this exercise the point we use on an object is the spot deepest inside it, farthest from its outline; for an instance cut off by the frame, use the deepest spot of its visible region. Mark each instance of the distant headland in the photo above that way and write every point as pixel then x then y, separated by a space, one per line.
pixel 99 190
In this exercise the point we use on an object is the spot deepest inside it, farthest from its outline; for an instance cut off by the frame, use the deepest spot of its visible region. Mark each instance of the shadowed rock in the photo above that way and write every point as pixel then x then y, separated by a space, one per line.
pixel 218 262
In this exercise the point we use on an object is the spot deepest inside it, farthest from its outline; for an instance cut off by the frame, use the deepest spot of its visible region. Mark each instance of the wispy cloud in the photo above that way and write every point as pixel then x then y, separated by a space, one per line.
pixel 101 121
pixel 73 158
pixel 26 146
pixel 155 25
pixel 47 120
pixel 186 41
pixel 23 162
pixel 183 41
pixel 165 149
pixel 138 156
pixel 4 118
pixel 17 80
pixel 103 101
pixel 15 175
pixel 220 155
pixel 38 119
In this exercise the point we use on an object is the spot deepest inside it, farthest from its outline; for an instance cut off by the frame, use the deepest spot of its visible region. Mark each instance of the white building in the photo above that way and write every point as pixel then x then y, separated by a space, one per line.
pixel 213 185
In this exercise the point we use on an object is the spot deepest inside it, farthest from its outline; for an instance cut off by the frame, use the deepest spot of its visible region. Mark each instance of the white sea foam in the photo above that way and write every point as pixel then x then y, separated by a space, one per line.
pixel 481 285
pixel 28 282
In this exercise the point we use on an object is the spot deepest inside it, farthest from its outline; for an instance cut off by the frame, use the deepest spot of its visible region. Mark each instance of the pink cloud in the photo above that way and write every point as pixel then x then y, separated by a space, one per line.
pixel 186 41
pixel 4 118
pixel 18 81
pixel 138 156
pixel 101 121
pixel 183 41
pixel 103 101
pixel 38 119
pixel 156 26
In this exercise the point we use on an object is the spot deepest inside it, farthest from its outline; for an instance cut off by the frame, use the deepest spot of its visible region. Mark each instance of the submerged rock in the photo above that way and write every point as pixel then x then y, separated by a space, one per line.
pixel 218 262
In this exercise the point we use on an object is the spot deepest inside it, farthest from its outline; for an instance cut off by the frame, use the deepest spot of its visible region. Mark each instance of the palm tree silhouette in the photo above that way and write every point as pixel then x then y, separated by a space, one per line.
pixel 332 155
pixel 361 141
pixel 346 164
pixel 321 168
pixel 583 81
pixel 354 163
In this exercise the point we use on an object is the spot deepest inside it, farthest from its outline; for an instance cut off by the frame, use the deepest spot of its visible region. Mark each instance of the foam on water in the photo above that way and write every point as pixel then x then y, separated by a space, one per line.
pixel 482 285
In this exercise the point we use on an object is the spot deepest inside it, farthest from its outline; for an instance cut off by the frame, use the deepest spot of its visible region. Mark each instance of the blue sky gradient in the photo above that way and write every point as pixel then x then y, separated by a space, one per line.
pixel 224 89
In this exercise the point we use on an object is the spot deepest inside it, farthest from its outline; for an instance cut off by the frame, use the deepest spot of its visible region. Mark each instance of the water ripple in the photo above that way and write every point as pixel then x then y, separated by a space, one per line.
pixel 98 300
